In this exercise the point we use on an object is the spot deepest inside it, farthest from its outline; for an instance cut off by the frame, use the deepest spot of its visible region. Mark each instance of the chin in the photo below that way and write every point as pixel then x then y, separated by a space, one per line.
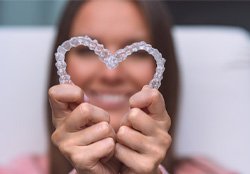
pixel 116 118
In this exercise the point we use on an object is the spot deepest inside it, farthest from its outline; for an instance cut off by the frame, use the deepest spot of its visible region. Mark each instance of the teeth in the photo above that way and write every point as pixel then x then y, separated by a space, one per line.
pixel 111 98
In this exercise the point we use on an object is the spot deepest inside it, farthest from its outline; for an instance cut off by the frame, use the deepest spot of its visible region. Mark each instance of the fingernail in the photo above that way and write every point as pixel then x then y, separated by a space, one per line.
pixel 109 141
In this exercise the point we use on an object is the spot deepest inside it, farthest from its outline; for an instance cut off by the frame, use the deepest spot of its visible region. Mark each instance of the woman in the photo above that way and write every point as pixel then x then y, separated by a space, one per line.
pixel 138 142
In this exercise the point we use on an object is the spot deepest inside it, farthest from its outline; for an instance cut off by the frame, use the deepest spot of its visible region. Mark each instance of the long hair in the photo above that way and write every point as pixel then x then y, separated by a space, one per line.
pixel 159 23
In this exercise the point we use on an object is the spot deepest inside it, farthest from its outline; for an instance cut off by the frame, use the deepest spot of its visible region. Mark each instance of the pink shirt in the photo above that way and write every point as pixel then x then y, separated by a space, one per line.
pixel 162 169
pixel 35 164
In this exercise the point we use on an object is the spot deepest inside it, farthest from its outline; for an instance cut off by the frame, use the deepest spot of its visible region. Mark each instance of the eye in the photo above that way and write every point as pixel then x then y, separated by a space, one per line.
pixel 83 51
pixel 141 55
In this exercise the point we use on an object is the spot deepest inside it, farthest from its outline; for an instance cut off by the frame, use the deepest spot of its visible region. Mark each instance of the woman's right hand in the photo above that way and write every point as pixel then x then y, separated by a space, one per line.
pixel 83 133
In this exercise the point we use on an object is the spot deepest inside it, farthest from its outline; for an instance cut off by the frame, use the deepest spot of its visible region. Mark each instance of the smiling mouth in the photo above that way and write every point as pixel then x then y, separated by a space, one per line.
pixel 109 100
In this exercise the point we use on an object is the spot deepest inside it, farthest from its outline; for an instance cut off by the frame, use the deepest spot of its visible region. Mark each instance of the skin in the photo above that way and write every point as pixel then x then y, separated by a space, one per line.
pixel 101 136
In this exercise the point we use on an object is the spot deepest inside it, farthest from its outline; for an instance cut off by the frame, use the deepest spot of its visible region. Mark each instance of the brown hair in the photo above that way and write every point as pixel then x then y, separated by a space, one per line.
pixel 158 19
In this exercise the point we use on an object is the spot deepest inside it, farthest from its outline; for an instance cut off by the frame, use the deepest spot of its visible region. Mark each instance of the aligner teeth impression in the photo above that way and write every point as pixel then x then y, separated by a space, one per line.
pixel 110 60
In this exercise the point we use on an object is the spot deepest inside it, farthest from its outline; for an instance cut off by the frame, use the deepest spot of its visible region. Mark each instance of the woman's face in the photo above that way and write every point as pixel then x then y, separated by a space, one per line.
pixel 114 24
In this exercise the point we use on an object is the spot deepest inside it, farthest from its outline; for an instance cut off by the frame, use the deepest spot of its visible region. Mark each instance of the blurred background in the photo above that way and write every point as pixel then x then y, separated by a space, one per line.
pixel 44 12
pixel 213 47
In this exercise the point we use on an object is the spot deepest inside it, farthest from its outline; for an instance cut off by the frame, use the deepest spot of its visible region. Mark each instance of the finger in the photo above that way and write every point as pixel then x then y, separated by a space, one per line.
pixel 132 139
pixel 144 123
pixel 149 98
pixel 85 114
pixel 150 146
pixel 127 156
pixel 61 95
pixel 136 162
pixel 93 134
pixel 88 157
pixel 100 149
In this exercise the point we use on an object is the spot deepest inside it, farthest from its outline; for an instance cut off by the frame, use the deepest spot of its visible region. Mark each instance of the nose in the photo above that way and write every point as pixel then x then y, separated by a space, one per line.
pixel 111 73
pixel 111 76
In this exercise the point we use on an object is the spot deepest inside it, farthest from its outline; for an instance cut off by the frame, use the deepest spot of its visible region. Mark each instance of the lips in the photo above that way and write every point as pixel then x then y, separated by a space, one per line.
pixel 109 100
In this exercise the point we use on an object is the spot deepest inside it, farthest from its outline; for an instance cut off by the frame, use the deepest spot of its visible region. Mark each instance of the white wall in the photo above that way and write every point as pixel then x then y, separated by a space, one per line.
pixel 24 56
pixel 215 95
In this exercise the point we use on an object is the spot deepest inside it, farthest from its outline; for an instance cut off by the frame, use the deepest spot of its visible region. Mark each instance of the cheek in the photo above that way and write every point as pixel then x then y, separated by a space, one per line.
pixel 80 71
pixel 143 73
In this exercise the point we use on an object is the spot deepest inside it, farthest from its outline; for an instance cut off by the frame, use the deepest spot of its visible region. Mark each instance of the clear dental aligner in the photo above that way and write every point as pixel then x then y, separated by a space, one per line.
pixel 110 60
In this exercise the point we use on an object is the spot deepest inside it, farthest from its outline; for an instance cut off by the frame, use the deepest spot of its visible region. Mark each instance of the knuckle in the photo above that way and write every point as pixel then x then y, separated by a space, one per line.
pixel 169 139
pixel 155 150
pixel 52 91
pixel 159 154
pixel 64 147
pixel 146 166
pixel 56 137
pixel 166 123
pixel 105 128
pixel 166 140
pixel 77 159
pixel 111 144
pixel 121 132
pixel 77 92
pixel 134 112
pixel 85 109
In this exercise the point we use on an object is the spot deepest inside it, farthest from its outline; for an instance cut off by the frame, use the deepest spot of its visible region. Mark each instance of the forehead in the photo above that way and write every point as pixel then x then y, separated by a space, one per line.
pixel 110 20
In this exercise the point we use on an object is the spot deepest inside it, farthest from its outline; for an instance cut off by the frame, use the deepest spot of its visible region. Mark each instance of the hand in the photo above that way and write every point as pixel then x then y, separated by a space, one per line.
pixel 143 139
pixel 199 165
pixel 83 133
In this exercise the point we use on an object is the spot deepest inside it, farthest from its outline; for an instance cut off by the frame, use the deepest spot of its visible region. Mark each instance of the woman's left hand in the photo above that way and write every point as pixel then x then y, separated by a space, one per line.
pixel 143 139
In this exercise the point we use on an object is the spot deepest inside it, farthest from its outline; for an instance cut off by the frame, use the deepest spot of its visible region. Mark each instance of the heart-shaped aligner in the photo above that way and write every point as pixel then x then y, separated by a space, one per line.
pixel 110 60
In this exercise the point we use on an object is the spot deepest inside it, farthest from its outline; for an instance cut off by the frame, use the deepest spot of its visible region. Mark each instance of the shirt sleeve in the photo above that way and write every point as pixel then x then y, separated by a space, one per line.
pixel 162 169
pixel 73 172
